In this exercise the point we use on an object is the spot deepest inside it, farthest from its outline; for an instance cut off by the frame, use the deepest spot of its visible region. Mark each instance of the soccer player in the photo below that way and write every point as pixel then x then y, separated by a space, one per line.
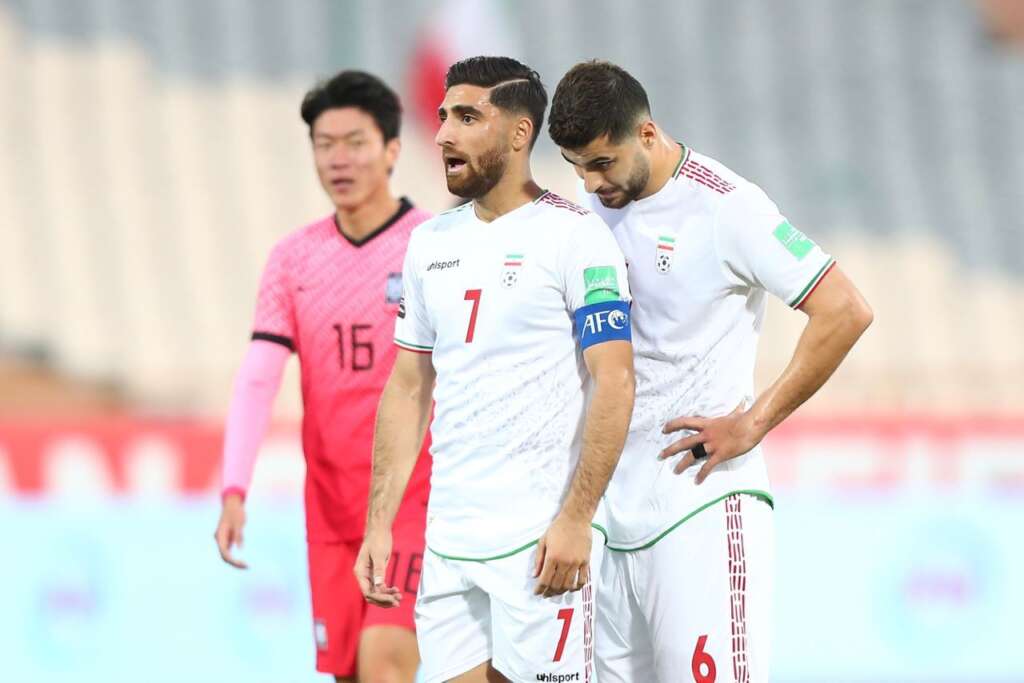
pixel 685 593
pixel 492 291
pixel 330 292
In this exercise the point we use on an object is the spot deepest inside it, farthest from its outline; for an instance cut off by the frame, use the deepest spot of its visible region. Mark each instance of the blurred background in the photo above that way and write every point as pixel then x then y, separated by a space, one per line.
pixel 151 153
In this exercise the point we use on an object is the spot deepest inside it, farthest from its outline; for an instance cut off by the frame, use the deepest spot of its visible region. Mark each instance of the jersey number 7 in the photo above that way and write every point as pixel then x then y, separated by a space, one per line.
pixel 474 296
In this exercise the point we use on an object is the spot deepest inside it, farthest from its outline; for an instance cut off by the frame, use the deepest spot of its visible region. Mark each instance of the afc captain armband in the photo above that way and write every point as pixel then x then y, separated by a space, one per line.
pixel 603 321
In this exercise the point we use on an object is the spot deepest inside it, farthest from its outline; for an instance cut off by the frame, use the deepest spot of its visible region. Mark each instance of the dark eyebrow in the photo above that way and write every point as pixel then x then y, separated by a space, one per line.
pixel 463 109
pixel 350 134
pixel 595 160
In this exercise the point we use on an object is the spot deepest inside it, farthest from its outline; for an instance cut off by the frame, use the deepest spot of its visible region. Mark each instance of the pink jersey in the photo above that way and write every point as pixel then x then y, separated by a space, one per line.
pixel 334 303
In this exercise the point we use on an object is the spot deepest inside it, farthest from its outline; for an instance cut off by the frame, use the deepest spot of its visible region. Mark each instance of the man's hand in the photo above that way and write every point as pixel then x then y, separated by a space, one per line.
pixel 229 529
pixel 371 570
pixel 723 438
pixel 563 557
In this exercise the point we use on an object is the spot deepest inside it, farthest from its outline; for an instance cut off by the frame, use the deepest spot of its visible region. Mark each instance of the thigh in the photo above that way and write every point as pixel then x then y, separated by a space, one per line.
pixel 536 638
pixel 708 594
pixel 623 644
pixel 453 620
pixel 338 608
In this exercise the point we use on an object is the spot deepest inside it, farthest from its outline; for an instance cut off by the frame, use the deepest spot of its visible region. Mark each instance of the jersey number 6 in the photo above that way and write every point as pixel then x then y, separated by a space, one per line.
pixel 474 296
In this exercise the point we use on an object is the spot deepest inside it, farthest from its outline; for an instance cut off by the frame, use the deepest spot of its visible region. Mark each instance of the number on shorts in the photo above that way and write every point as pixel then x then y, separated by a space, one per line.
pixel 566 616
pixel 702 659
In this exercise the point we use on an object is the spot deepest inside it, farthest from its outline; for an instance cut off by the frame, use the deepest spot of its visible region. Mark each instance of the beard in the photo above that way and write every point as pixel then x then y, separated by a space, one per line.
pixel 480 177
pixel 634 186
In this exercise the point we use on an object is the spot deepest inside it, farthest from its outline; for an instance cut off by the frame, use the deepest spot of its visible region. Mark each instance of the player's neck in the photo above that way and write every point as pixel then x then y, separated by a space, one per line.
pixel 358 222
pixel 513 190
pixel 664 160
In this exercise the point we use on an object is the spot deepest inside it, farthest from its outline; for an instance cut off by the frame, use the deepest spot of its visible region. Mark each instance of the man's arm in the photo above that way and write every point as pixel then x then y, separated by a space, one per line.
pixel 402 418
pixel 256 385
pixel 563 553
pixel 838 316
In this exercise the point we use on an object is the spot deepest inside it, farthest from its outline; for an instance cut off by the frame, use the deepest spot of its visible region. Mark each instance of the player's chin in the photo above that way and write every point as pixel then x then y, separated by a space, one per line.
pixel 615 200
pixel 347 200
pixel 462 187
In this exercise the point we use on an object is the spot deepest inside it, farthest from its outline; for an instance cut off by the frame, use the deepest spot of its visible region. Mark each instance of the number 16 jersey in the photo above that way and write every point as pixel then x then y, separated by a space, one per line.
pixel 333 301
pixel 494 304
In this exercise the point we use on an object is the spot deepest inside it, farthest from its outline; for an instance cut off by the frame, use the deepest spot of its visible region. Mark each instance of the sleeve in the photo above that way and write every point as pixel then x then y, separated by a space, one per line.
pixel 759 248
pixel 256 385
pixel 596 287
pixel 275 311
pixel 413 330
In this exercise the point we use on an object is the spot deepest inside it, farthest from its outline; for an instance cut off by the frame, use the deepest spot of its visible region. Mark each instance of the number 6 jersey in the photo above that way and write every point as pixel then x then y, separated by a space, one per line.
pixel 494 303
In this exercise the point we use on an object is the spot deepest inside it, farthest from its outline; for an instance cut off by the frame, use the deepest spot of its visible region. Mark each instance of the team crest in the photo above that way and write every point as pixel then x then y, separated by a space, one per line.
pixel 393 290
pixel 510 274
pixel 664 253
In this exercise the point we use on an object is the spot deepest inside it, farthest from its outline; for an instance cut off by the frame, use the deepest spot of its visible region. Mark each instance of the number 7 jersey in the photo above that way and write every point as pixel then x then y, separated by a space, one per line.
pixel 494 303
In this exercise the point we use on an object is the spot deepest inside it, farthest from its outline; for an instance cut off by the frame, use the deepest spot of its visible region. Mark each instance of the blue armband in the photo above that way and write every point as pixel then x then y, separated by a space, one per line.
pixel 601 322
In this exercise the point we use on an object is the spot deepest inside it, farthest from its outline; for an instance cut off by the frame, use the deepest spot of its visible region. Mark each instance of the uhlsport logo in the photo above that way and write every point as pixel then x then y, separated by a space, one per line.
pixel 597 322
pixel 664 253
pixel 558 678
pixel 443 265
pixel 510 274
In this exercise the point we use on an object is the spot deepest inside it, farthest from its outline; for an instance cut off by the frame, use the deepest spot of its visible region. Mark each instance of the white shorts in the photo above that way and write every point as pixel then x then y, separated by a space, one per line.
pixel 468 612
pixel 695 605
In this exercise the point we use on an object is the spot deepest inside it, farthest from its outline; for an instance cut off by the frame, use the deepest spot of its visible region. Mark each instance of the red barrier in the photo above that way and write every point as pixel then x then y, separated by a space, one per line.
pixel 125 455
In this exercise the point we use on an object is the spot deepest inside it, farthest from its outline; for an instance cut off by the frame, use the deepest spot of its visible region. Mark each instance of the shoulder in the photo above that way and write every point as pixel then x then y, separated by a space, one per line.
pixel 708 175
pixel 304 239
pixel 560 203
pixel 434 225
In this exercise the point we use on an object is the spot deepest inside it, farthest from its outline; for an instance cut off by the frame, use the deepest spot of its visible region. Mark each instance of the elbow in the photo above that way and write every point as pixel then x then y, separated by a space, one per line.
pixel 861 316
pixel 620 381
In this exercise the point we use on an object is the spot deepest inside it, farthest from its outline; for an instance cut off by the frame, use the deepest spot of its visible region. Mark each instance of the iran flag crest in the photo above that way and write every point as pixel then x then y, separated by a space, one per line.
pixel 510 273
pixel 664 253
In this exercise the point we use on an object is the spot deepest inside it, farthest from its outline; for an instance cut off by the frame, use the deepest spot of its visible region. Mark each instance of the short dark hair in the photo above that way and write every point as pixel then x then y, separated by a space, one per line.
pixel 593 99
pixel 355 89
pixel 522 91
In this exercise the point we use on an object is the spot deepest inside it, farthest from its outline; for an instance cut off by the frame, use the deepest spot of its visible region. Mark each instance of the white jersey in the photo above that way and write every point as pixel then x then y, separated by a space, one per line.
pixel 494 303
pixel 701 254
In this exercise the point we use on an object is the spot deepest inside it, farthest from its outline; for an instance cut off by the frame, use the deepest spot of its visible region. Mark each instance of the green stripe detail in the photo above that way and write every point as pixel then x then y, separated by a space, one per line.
pixel 510 553
pixel 666 238
pixel 810 285
pixel 763 495
pixel 684 155
pixel 413 346
pixel 513 256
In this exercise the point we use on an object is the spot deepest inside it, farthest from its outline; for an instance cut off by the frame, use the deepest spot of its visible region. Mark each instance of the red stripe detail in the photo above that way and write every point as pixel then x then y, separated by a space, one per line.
pixel 588 630
pixel 513 263
pixel 705 176
pixel 737 588
pixel 808 295
pixel 666 247
pixel 408 348
pixel 554 200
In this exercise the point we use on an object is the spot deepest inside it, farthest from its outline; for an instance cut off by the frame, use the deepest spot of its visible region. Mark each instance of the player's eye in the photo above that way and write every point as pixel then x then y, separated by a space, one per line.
pixel 467 119
pixel 606 164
